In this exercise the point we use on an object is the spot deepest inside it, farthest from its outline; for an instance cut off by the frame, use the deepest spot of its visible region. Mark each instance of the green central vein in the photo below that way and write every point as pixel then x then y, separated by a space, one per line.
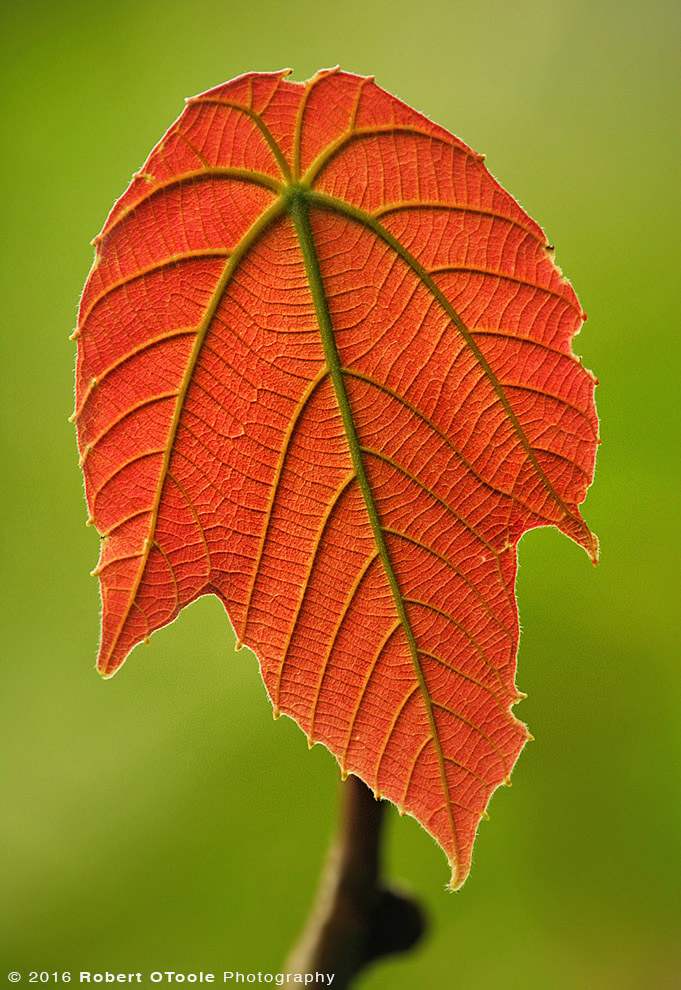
pixel 299 212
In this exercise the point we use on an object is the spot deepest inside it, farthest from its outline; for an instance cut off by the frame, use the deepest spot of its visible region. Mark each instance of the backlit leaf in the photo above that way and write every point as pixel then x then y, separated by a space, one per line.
pixel 325 373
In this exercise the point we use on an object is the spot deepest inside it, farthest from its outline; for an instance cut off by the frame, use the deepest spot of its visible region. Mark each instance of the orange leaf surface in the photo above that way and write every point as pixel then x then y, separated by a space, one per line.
pixel 325 373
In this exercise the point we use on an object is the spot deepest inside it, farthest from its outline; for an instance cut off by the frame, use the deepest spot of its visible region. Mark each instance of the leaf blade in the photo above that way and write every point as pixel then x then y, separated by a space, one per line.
pixel 333 384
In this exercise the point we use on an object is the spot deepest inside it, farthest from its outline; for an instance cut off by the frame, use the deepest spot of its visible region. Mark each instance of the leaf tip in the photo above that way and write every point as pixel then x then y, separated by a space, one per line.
pixel 574 526
pixel 456 880
pixel 107 667
pixel 276 712
pixel 75 334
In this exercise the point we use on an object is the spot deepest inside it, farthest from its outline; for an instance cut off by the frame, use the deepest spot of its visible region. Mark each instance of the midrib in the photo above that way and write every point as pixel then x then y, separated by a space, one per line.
pixel 299 213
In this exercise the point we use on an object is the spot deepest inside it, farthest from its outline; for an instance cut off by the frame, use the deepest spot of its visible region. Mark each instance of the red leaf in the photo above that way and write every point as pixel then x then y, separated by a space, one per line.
pixel 325 373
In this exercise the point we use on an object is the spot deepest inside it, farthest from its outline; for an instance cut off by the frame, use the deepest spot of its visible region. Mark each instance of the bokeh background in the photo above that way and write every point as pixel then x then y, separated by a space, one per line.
pixel 162 820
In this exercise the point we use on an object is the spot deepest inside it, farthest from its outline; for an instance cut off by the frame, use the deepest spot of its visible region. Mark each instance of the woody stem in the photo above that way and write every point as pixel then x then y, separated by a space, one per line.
pixel 356 918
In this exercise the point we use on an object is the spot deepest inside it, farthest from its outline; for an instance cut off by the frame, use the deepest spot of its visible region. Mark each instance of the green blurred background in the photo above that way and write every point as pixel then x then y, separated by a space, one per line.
pixel 162 820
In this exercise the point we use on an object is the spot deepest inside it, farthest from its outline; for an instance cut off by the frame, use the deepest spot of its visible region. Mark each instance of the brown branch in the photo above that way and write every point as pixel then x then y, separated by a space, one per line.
pixel 356 918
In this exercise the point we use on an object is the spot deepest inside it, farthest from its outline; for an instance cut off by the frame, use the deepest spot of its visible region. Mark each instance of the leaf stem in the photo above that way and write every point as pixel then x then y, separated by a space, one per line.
pixel 356 918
